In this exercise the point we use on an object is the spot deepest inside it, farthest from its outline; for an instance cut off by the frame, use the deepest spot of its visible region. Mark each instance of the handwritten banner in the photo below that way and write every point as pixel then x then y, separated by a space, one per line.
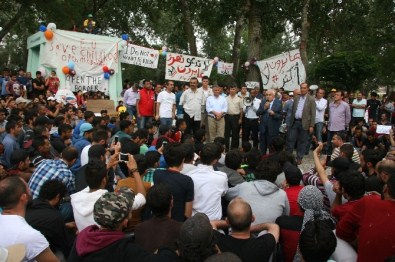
pixel 285 70
pixel 140 56
pixel 225 68
pixel 251 84
pixel 87 83
pixel 89 53
pixel 184 67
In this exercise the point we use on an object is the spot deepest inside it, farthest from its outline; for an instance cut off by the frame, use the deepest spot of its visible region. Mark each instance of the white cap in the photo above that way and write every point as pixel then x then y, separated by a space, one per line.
pixel 22 100
pixel 51 98
pixel 291 93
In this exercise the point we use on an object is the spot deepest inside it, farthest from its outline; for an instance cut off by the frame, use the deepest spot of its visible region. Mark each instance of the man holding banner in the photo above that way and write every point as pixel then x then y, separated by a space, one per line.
pixel 145 104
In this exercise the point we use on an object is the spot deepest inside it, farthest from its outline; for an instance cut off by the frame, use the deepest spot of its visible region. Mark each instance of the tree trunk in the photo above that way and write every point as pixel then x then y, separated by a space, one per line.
pixel 305 33
pixel 237 39
pixel 8 26
pixel 254 39
pixel 188 27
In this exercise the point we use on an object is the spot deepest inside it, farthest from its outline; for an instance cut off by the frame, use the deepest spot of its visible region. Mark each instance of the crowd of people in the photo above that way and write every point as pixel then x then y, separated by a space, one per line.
pixel 189 173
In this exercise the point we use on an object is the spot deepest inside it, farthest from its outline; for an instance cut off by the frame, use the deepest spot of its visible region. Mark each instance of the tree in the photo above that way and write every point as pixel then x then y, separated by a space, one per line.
pixel 347 70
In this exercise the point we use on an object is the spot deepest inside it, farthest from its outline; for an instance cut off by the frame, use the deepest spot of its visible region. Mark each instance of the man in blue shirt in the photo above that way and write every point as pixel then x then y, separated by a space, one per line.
pixel 10 143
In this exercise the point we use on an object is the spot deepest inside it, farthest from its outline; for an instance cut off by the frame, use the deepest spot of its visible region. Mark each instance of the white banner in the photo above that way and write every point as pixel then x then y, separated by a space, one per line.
pixel 89 53
pixel 88 83
pixel 140 56
pixel 184 67
pixel 251 84
pixel 285 70
pixel 225 68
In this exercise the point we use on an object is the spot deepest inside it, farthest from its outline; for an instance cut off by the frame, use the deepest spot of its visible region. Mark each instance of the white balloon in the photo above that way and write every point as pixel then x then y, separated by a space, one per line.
pixel 216 59
pixel 52 27
pixel 164 48
pixel 247 63
pixel 313 87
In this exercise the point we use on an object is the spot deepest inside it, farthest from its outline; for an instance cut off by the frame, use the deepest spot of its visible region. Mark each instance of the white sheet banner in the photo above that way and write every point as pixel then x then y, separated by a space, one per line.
pixel 140 56
pixel 88 52
pixel 87 82
pixel 184 67
pixel 251 84
pixel 285 70
pixel 225 68
pixel 66 97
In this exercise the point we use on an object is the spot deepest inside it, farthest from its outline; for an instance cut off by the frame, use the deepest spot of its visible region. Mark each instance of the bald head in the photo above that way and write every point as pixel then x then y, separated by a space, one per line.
pixel 385 169
pixel 270 94
pixel 239 215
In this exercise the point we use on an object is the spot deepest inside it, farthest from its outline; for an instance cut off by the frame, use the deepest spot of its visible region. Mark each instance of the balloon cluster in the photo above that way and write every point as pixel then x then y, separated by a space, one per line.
pixel 108 72
pixel 48 30
pixel 69 69
pixel 163 51
pixel 247 64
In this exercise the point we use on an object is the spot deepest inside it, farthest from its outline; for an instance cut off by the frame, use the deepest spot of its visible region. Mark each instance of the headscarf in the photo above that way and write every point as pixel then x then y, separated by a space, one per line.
pixel 311 201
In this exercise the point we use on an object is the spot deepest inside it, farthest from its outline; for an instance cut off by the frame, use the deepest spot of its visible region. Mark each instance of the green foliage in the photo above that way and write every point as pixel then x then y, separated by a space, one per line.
pixel 348 70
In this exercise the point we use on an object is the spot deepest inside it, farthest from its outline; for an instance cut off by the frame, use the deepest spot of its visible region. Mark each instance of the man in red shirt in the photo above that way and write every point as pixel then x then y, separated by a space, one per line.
pixel 145 104
pixel 371 222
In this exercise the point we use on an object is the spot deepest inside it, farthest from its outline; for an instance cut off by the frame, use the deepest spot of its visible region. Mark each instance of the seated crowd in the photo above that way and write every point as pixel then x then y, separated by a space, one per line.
pixel 78 187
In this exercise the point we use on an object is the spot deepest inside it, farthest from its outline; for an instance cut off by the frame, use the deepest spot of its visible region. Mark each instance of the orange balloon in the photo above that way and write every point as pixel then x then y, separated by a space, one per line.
pixel 48 35
pixel 65 70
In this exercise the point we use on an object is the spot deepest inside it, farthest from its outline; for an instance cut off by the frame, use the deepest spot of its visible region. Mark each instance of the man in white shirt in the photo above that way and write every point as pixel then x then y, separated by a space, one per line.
pixel 321 104
pixel 207 91
pixel 250 121
pixel 233 118
pixel 216 107
pixel 14 196
pixel 129 100
pixel 166 105
pixel 192 101
pixel 209 185
pixel 358 108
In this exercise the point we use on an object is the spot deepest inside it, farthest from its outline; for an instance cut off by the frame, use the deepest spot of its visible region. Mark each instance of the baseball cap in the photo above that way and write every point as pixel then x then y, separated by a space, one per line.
pixel 22 100
pixel 14 253
pixel 85 127
pixel 51 98
pixel 291 93
pixel 292 173
pixel 196 231
pixel 113 207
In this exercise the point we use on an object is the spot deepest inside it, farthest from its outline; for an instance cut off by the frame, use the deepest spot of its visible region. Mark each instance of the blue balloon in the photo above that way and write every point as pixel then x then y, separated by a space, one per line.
pixel 106 75
pixel 43 28
pixel 125 37
pixel 71 65
pixel 164 53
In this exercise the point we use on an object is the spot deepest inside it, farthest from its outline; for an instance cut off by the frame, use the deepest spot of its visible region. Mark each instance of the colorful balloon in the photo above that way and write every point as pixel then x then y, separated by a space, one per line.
pixel 106 75
pixel 42 28
pixel 105 69
pixel 65 70
pixel 164 48
pixel 164 53
pixel 48 35
pixel 125 37
pixel 71 65
pixel 52 27
pixel 72 72
pixel 111 71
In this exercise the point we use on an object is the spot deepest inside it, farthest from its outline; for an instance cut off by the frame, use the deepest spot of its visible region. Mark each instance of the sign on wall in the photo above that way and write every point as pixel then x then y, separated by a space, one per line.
pixel 140 56
pixel 89 53
pixel 183 67
pixel 87 82
pixel 285 70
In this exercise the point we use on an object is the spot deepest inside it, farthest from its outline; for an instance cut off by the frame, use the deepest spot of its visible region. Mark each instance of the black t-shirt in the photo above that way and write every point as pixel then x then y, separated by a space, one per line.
pixel 181 187
pixel 373 105
pixel 38 82
pixel 252 249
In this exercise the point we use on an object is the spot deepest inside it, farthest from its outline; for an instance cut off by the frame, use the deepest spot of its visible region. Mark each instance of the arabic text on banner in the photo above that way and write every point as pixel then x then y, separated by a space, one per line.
pixel 225 68
pixel 89 53
pixel 184 67
pixel 140 56
pixel 285 70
